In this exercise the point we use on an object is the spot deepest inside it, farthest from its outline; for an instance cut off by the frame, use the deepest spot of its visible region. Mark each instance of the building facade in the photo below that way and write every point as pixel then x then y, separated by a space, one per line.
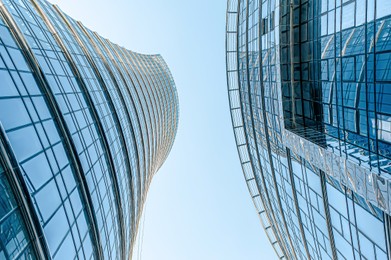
pixel 84 126
pixel 310 100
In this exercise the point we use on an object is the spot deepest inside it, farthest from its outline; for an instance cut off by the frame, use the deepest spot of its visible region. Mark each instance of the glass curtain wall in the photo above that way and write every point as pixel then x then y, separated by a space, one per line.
pixel 85 124
pixel 310 77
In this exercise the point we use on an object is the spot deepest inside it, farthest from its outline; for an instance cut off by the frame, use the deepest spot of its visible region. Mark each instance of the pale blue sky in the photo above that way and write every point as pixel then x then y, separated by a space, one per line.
pixel 198 207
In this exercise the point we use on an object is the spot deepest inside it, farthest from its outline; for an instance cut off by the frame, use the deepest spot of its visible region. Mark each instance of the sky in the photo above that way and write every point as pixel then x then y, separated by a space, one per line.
pixel 198 206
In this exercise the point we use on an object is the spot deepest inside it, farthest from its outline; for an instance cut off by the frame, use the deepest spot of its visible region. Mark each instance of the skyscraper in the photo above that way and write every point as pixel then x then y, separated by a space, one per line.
pixel 310 99
pixel 85 124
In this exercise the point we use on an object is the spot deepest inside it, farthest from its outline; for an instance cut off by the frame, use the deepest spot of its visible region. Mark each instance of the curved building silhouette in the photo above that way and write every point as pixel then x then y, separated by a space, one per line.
pixel 85 124
pixel 309 87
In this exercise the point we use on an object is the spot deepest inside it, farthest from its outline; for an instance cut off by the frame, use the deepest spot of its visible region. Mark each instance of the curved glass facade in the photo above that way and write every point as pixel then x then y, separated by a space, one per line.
pixel 85 124
pixel 310 107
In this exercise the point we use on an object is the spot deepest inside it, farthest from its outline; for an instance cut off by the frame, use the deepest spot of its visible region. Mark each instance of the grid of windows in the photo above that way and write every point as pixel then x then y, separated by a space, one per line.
pixel 88 123
pixel 338 101
pixel 310 71
pixel 32 123
pixel 14 240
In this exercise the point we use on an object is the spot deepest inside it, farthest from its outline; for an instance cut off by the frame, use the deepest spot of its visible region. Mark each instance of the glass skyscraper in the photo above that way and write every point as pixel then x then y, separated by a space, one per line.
pixel 309 85
pixel 84 126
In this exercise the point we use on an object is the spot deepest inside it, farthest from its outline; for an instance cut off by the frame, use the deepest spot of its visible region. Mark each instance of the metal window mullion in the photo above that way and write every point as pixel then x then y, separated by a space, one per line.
pixel 99 124
pixel 296 202
pixel 19 188
pixel 138 89
pixel 233 120
pixel 162 98
pixel 268 145
pixel 327 213
pixel 387 231
pixel 173 111
pixel 335 73
pixel 124 81
pixel 115 57
pixel 355 223
pixel 137 221
pixel 116 85
pixel 173 114
pixel 143 130
pixel 150 107
pixel 174 106
pixel 150 113
pixel 125 149
pixel 154 103
pixel 170 107
pixel 155 81
pixel 60 121
pixel 170 114
pixel 375 35
pixel 163 101
pixel 349 218
pixel 131 98
pixel 270 214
